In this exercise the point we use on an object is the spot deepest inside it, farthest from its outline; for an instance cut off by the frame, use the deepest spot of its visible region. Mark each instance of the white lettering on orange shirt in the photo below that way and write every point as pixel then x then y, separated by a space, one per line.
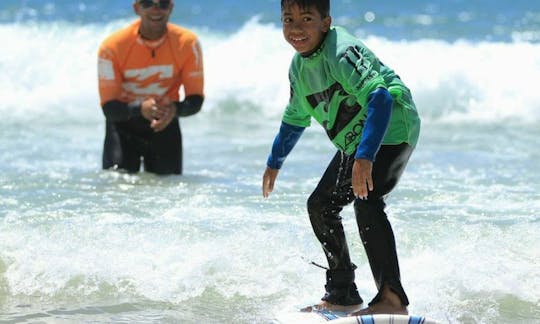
pixel 138 76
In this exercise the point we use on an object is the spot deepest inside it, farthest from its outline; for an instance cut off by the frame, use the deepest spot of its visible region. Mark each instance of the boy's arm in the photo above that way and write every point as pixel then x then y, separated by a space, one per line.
pixel 379 110
pixel 378 118
pixel 283 144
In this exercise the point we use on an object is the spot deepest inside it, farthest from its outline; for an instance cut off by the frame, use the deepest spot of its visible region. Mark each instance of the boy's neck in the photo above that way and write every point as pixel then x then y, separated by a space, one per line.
pixel 316 49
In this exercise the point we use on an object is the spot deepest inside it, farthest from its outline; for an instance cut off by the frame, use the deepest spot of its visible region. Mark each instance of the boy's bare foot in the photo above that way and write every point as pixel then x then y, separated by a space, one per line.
pixel 332 307
pixel 390 303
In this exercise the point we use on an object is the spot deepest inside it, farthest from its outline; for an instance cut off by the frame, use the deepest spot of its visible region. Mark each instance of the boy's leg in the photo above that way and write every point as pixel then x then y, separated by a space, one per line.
pixel 375 229
pixel 324 205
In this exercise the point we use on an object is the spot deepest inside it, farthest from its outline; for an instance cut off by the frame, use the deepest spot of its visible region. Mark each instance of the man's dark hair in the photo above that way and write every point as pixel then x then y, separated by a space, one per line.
pixel 323 6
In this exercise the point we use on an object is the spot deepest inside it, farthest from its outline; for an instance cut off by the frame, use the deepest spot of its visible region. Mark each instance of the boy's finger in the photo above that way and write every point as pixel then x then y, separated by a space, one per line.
pixel 268 185
pixel 265 187
pixel 370 183
pixel 361 191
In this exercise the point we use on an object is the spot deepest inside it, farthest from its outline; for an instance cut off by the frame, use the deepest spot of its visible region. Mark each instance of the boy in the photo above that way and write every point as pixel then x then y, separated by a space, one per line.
pixel 368 114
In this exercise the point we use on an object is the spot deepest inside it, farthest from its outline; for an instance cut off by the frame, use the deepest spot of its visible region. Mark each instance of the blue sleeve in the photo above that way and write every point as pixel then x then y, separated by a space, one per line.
pixel 379 110
pixel 284 142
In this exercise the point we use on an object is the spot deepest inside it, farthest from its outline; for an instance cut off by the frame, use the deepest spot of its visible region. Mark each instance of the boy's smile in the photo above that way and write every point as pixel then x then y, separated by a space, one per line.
pixel 304 28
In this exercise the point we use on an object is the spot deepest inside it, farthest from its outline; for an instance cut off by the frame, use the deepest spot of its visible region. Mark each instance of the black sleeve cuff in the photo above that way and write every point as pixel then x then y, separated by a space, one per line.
pixel 117 111
pixel 190 106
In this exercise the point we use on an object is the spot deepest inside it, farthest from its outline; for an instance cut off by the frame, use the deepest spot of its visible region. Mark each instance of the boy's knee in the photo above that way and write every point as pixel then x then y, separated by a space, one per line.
pixel 314 204
pixel 369 212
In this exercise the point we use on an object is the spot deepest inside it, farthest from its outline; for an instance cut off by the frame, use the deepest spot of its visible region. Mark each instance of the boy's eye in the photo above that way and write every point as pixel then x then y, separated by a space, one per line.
pixel 286 20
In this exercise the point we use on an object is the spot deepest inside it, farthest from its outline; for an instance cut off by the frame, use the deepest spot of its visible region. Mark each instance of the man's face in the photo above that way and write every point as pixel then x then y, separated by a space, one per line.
pixel 304 28
pixel 154 15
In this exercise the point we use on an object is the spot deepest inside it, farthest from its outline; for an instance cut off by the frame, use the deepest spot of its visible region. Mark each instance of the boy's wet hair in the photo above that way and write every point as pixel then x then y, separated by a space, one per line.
pixel 323 6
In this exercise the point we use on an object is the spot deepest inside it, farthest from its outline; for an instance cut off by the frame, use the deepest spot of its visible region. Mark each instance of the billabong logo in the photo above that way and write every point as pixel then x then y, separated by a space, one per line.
pixel 138 76
pixel 356 131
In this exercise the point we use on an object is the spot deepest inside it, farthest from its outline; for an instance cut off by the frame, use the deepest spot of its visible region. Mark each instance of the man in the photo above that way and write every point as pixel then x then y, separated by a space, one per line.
pixel 141 69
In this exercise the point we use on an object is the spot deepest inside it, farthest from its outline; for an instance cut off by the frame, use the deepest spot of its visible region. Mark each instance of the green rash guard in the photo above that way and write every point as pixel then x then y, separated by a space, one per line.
pixel 333 84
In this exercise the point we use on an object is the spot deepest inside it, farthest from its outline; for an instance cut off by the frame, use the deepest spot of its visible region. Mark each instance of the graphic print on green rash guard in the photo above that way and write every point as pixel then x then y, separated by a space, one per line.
pixel 333 85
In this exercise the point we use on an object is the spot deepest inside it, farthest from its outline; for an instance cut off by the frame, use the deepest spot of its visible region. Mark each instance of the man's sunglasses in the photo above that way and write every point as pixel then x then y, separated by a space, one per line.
pixel 161 4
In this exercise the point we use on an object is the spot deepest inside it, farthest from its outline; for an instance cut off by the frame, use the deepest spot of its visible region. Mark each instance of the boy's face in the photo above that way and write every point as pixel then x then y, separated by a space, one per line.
pixel 304 28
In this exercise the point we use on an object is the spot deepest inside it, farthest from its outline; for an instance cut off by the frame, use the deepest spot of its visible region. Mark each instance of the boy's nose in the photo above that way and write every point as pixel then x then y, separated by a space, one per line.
pixel 296 26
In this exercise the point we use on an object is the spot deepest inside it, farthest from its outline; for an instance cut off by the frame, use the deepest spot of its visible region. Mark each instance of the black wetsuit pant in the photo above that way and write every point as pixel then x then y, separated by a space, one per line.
pixel 333 192
pixel 126 143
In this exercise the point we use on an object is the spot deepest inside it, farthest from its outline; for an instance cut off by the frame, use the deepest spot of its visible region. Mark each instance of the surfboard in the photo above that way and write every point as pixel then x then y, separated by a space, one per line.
pixel 341 318
pixel 336 317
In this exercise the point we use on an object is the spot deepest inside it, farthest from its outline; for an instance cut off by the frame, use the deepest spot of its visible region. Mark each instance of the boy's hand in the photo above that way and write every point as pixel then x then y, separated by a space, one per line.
pixel 362 182
pixel 269 177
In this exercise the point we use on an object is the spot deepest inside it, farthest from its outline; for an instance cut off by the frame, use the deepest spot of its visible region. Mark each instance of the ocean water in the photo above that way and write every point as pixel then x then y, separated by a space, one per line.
pixel 78 244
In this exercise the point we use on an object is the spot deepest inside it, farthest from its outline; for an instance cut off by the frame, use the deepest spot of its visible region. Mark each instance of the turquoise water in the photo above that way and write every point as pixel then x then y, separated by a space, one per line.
pixel 78 244
pixel 416 19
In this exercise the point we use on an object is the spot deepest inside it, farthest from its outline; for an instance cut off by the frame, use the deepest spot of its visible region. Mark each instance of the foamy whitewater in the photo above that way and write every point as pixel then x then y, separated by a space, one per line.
pixel 79 244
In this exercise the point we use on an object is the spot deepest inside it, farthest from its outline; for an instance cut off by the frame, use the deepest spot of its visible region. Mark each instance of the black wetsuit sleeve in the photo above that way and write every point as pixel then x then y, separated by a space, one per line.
pixel 190 106
pixel 118 111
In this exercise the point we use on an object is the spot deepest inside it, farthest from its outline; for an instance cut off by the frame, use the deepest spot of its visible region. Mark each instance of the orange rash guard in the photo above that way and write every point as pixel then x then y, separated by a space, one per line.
pixel 131 69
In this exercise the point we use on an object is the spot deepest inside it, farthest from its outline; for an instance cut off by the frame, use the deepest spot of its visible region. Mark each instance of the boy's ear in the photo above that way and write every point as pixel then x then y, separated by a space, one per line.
pixel 327 22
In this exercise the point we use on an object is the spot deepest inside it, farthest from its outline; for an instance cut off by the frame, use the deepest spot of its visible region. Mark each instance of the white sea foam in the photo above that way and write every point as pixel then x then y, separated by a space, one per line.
pixel 50 65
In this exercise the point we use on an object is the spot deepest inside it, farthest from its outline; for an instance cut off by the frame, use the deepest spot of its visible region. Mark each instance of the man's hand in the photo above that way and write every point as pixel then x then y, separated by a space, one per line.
pixel 160 124
pixel 149 109
pixel 164 113
pixel 362 182
pixel 269 178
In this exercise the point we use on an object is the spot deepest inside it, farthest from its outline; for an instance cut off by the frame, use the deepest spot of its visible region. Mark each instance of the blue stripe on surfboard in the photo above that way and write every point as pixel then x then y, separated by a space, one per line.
pixel 328 315
pixel 369 319
pixel 416 320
